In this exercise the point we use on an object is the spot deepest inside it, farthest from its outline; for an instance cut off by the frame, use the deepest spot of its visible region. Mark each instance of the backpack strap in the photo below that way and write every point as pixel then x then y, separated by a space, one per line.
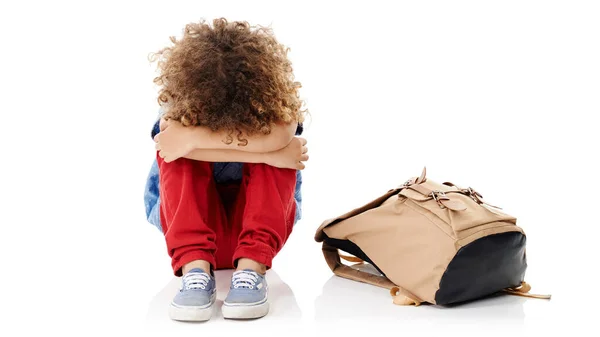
pixel 470 192
pixel 332 256
pixel 351 258
pixel 440 197
pixel 523 290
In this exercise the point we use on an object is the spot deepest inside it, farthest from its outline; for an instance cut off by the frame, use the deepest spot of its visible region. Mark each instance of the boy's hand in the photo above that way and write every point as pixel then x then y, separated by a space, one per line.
pixel 174 140
pixel 291 157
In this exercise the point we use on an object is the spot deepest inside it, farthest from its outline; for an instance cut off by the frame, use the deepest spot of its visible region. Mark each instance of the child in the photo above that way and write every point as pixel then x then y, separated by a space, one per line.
pixel 225 186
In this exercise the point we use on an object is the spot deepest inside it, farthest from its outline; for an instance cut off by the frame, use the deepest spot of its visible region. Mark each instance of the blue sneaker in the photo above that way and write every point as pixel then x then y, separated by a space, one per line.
pixel 195 299
pixel 247 296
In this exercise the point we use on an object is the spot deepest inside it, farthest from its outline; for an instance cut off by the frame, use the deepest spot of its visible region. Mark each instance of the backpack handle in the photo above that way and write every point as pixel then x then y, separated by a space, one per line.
pixel 400 295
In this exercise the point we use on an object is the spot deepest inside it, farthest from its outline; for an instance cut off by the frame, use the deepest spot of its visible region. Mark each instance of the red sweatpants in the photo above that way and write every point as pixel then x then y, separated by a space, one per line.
pixel 203 220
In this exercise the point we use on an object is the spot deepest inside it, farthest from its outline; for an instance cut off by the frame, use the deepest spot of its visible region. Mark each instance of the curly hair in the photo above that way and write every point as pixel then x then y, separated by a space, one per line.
pixel 228 76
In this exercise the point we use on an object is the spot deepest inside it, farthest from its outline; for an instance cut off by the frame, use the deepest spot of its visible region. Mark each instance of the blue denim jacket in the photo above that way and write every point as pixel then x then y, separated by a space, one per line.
pixel 222 172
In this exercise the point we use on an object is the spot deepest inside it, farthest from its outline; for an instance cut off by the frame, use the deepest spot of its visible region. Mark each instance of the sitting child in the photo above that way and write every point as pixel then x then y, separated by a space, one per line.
pixel 225 186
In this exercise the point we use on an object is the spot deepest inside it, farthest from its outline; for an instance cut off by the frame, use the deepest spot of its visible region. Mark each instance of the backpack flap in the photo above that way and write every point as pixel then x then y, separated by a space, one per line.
pixel 319 236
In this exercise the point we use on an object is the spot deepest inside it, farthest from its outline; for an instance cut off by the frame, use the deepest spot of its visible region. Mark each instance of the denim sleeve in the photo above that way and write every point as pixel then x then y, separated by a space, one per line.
pixel 298 196
pixel 299 129
pixel 151 197
pixel 298 192
pixel 151 191
pixel 155 129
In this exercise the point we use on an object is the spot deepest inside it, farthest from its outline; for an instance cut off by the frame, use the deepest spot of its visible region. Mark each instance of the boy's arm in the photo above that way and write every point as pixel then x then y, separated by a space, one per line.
pixel 199 137
pixel 291 156
pixel 225 156
pixel 281 135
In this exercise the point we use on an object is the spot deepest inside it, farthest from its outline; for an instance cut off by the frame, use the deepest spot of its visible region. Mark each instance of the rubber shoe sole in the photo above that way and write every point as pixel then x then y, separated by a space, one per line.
pixel 245 310
pixel 192 314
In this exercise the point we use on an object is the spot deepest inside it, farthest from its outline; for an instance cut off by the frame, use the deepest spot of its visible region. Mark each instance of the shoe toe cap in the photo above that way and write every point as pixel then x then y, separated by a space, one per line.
pixel 241 296
pixel 192 298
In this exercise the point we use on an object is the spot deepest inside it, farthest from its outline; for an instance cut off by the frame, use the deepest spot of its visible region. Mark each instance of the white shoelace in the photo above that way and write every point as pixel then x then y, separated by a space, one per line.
pixel 244 279
pixel 195 281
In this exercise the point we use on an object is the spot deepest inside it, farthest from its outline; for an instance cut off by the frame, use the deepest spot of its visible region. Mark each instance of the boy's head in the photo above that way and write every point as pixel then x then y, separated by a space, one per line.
pixel 227 76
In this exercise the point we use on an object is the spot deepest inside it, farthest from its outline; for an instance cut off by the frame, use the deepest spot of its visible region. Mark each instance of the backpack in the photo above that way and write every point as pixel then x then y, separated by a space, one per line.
pixel 429 243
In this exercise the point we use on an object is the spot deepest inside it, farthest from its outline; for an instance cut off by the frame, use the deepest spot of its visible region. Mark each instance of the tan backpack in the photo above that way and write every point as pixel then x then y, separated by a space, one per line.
pixel 430 243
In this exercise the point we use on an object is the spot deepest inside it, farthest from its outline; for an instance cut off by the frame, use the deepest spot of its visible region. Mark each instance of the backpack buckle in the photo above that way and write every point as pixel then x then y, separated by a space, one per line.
pixel 409 182
pixel 477 197
pixel 474 194
pixel 446 203
pixel 438 196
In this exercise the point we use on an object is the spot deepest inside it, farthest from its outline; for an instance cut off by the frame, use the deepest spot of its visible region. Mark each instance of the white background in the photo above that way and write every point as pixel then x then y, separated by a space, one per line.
pixel 499 95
